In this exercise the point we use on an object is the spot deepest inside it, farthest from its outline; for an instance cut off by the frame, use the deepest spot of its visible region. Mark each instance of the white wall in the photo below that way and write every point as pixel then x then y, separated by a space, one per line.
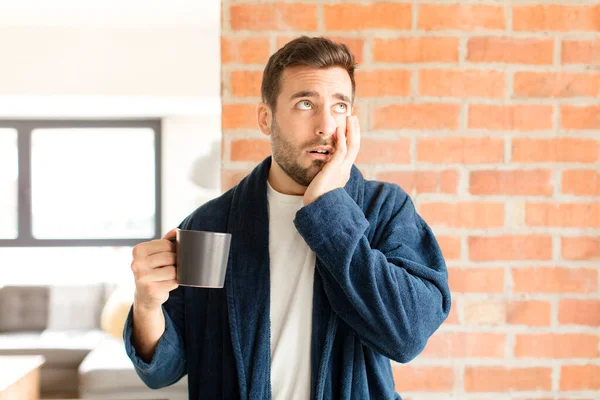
pixel 115 59
pixel 191 165
pixel 136 61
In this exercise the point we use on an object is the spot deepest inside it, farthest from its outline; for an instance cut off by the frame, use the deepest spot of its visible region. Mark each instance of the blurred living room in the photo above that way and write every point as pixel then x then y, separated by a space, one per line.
pixel 109 134
pixel 120 118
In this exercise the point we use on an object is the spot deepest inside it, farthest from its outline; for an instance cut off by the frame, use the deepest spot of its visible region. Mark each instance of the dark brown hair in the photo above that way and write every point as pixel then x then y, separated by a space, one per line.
pixel 316 52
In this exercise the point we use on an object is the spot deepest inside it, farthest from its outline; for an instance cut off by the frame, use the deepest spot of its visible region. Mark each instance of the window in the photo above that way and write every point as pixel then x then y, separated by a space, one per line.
pixel 8 183
pixel 76 195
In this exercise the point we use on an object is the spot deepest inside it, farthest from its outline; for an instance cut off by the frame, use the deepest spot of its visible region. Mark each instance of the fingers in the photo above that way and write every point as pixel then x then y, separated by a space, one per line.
pixel 154 271
pixel 157 275
pixel 153 294
pixel 353 138
pixel 347 142
pixel 340 149
pixel 171 234
pixel 142 266
pixel 160 259
pixel 152 247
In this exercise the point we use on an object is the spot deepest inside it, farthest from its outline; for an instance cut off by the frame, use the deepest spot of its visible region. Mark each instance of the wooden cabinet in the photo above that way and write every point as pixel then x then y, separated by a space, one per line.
pixel 20 377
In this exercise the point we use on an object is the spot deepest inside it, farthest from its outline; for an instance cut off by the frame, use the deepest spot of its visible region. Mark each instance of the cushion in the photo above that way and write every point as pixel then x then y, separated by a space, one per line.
pixel 75 307
pixel 107 373
pixel 114 313
pixel 23 308
pixel 65 348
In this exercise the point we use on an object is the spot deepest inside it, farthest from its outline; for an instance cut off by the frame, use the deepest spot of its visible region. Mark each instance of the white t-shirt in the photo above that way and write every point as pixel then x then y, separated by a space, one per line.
pixel 292 275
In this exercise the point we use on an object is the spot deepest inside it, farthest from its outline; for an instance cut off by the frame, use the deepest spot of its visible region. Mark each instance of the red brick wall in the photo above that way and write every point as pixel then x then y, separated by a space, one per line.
pixel 489 116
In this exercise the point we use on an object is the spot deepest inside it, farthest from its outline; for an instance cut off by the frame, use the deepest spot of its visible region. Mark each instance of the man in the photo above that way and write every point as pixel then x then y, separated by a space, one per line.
pixel 329 277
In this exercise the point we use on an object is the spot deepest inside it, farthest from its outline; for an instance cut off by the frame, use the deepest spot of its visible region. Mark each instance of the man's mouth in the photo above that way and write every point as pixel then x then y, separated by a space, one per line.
pixel 321 154
pixel 321 150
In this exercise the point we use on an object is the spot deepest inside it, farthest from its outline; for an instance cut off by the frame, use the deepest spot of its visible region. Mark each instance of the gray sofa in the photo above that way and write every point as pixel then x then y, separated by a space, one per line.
pixel 62 323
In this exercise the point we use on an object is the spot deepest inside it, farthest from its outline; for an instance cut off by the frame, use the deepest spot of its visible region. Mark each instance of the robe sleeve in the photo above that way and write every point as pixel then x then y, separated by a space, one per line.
pixel 395 294
pixel 168 364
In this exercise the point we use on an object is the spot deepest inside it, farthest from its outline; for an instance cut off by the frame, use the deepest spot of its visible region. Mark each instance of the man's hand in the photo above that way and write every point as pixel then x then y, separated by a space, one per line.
pixel 153 268
pixel 336 172
pixel 154 271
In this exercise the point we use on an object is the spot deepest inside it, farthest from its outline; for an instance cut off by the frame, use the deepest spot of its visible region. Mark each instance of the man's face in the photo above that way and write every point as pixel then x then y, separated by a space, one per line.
pixel 311 104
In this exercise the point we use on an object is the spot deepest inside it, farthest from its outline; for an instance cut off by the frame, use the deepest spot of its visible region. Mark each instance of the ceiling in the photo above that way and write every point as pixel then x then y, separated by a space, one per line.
pixel 108 13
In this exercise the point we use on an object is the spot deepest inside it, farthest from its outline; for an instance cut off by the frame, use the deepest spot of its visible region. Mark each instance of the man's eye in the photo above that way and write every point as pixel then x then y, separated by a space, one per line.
pixel 304 105
pixel 341 107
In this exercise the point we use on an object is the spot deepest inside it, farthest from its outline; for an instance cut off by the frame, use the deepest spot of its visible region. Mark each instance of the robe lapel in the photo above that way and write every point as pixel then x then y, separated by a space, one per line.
pixel 248 284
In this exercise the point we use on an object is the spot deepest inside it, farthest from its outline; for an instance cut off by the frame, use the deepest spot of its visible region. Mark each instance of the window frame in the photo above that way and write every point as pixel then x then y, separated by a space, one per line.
pixel 24 129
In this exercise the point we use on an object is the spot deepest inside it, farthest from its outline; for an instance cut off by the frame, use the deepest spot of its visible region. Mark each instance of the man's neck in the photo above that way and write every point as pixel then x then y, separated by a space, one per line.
pixel 282 183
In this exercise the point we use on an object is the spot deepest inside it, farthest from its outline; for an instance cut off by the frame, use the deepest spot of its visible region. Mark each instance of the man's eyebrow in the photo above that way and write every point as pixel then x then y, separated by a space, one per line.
pixel 304 93
pixel 310 93
pixel 342 97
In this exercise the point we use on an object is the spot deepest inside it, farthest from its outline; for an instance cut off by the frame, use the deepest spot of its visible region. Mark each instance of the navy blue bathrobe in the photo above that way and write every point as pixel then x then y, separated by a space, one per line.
pixel 380 291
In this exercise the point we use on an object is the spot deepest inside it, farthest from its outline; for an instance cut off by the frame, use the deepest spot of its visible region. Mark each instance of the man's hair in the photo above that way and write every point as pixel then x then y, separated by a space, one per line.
pixel 315 52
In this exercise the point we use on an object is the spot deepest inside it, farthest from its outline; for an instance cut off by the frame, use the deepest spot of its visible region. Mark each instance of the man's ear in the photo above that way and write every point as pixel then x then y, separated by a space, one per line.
pixel 264 118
